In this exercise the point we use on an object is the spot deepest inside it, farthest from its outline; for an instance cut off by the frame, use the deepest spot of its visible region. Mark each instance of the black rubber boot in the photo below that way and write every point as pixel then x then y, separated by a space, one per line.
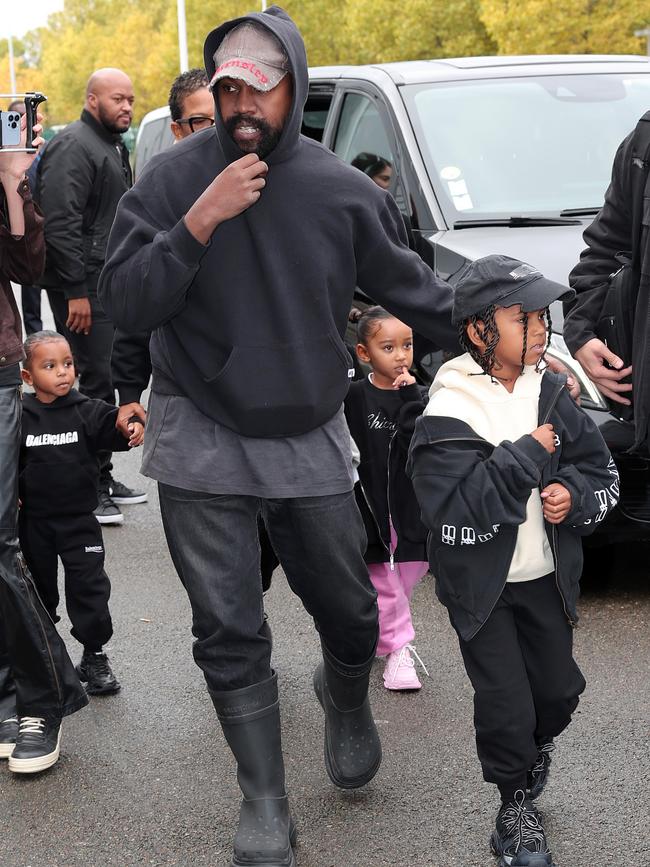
pixel 250 719
pixel 352 746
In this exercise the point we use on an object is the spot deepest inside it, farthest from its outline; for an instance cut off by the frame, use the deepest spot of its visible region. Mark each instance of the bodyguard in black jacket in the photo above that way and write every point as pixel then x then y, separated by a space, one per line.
pixel 82 175
pixel 610 234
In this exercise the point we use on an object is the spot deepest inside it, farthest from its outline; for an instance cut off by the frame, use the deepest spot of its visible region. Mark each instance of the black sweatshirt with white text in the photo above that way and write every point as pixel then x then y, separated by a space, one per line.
pixel 59 472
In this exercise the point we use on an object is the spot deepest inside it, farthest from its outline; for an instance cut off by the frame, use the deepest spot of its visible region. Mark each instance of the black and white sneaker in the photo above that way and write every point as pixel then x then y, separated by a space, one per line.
pixel 539 773
pixel 125 496
pixel 519 839
pixel 106 511
pixel 8 735
pixel 95 671
pixel 37 745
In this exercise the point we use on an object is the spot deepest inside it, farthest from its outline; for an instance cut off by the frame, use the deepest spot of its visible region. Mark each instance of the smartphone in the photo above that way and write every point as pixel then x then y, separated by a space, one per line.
pixel 9 129
pixel 10 121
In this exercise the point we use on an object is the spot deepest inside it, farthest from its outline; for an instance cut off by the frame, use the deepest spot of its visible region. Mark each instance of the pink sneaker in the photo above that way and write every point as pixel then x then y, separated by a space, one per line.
pixel 399 672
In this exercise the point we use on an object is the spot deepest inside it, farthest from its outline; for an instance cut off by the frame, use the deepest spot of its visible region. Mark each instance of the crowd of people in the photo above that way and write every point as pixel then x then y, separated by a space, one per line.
pixel 225 276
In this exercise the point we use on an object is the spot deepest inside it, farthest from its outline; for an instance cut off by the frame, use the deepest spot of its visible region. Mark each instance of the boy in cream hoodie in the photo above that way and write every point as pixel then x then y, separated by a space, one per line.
pixel 509 474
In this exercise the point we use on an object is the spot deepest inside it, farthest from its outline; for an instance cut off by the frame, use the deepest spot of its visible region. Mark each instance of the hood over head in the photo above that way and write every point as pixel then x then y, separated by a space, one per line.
pixel 283 28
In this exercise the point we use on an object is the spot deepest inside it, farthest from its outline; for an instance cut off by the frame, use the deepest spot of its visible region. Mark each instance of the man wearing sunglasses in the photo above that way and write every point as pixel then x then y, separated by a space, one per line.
pixel 190 104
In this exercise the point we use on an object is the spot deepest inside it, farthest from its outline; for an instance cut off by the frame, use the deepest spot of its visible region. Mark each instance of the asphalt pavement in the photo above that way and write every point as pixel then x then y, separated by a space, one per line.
pixel 145 778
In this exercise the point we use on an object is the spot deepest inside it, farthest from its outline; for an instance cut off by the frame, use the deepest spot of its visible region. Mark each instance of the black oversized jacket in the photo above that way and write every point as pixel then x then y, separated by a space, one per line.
pixel 58 453
pixel 82 175
pixel 473 497
pixel 250 326
pixel 609 234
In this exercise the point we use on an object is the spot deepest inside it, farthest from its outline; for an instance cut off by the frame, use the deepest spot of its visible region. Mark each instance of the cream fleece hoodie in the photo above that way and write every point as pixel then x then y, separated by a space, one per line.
pixel 496 415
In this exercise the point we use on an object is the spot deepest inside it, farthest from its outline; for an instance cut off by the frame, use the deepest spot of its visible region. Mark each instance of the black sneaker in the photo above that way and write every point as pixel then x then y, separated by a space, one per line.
pixel 106 511
pixel 519 839
pixel 8 735
pixel 37 745
pixel 539 773
pixel 121 494
pixel 95 670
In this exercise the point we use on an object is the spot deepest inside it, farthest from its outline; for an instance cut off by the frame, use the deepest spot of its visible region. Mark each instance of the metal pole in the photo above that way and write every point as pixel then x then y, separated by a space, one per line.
pixel 182 36
pixel 12 69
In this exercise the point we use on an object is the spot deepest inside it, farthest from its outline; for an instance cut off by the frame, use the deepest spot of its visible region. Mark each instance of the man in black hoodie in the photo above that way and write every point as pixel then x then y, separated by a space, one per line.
pixel 241 248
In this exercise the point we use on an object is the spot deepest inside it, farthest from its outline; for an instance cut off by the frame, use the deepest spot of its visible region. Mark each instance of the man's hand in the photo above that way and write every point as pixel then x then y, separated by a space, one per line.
pixel 571 382
pixel 592 357
pixel 556 503
pixel 545 436
pixel 127 411
pixel 132 430
pixel 80 317
pixel 234 190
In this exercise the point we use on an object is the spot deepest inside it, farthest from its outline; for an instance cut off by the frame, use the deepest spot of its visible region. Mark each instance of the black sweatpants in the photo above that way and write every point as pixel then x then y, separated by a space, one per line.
pixel 526 682
pixel 77 540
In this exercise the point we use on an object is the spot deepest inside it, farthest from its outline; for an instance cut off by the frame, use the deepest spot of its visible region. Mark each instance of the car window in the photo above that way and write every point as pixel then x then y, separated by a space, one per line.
pixel 315 115
pixel 362 140
pixel 503 147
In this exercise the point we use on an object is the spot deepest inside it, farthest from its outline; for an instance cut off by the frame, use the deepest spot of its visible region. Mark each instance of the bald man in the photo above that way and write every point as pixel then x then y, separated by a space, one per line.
pixel 82 175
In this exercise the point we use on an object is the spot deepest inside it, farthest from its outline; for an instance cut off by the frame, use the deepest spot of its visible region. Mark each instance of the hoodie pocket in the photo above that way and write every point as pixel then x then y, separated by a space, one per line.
pixel 281 390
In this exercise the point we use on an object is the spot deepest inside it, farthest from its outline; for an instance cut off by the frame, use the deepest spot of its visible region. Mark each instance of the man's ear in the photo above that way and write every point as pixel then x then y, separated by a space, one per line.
pixel 177 130
pixel 27 376
pixel 362 353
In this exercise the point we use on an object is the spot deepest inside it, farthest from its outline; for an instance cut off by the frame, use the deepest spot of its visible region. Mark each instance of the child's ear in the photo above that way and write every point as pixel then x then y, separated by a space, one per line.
pixel 473 334
pixel 362 353
pixel 27 376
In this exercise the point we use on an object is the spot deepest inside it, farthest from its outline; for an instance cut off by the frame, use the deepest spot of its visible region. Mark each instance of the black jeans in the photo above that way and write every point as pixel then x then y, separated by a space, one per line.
pixel 526 681
pixel 320 541
pixel 36 675
pixel 77 540
pixel 92 355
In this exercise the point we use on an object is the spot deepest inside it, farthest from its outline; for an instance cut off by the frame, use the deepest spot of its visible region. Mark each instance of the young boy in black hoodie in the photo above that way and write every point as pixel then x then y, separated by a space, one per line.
pixel 509 474
pixel 62 431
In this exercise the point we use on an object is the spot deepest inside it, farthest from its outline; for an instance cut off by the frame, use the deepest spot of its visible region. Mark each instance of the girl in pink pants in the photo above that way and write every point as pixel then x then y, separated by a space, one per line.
pixel 396 554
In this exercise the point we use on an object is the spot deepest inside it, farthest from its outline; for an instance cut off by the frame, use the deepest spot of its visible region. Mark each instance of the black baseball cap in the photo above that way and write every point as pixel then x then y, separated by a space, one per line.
pixel 504 282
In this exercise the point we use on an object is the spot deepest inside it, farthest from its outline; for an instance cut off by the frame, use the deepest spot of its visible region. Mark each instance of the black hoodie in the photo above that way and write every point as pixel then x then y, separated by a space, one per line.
pixel 59 472
pixel 250 326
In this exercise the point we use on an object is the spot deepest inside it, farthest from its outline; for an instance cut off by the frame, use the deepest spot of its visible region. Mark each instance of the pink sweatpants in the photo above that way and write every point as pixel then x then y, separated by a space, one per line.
pixel 394 588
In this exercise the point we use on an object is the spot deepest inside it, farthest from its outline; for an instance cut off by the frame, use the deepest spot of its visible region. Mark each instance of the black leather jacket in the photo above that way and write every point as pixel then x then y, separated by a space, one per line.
pixel 82 175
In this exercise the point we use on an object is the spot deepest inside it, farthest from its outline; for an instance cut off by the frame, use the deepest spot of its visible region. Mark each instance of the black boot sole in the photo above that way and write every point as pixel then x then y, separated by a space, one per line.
pixel 289 861
pixel 534 860
pixel 341 782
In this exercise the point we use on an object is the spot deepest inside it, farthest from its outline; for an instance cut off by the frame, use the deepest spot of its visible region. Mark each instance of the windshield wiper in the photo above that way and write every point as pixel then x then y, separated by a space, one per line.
pixel 515 222
pixel 579 212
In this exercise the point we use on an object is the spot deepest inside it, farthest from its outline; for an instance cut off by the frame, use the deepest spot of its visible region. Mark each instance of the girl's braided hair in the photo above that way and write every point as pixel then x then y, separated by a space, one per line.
pixel 486 327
